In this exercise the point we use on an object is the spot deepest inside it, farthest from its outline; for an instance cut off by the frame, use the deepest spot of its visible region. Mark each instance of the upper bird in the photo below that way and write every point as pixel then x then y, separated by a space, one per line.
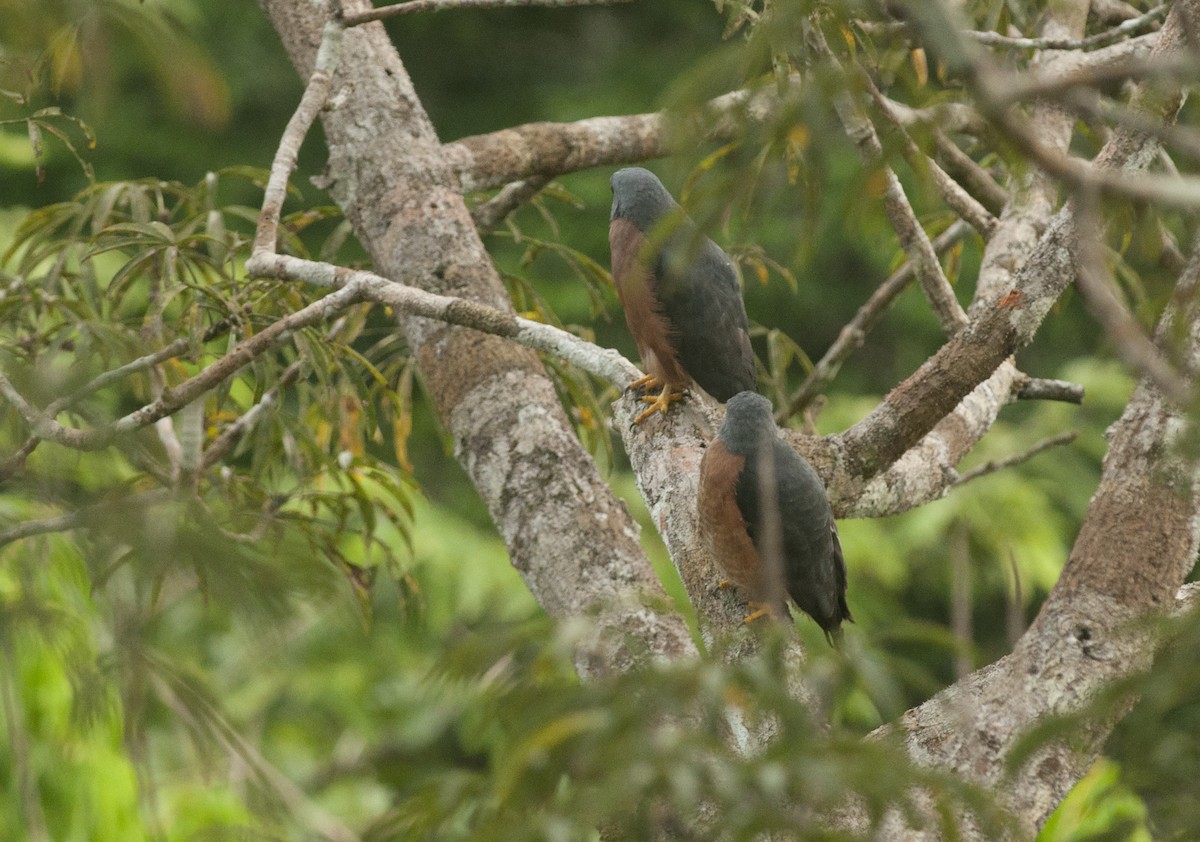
pixel 680 294
pixel 766 519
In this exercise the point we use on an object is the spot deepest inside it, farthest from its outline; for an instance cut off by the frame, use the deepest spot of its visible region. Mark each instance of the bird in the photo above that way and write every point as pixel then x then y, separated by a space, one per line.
pixel 680 294
pixel 766 519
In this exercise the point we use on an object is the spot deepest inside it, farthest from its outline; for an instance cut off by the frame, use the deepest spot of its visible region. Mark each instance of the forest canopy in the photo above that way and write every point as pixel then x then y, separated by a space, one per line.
pixel 322 514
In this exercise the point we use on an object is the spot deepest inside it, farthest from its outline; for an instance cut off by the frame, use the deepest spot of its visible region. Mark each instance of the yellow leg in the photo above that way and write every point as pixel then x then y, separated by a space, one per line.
pixel 758 609
pixel 659 403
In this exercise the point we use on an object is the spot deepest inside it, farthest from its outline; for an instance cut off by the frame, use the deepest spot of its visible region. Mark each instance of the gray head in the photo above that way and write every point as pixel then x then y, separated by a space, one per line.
pixel 748 423
pixel 640 197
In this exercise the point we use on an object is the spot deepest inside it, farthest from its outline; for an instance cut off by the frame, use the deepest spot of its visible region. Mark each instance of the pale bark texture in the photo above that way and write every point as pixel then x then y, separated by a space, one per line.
pixel 572 540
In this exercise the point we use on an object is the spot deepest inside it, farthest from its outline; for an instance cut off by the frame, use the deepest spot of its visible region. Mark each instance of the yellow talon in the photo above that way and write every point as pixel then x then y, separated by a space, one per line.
pixel 646 381
pixel 659 403
pixel 761 611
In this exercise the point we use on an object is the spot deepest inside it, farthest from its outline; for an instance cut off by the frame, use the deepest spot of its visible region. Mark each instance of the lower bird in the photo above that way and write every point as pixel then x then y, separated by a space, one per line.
pixel 681 296
pixel 766 519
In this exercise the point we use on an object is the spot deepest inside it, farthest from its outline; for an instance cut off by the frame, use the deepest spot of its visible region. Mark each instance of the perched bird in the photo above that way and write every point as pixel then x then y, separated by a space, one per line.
pixel 765 517
pixel 680 294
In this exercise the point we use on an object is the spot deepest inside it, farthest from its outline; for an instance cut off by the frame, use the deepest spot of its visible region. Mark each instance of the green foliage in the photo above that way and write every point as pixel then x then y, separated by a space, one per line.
pixel 111 299
pixel 1100 807
pixel 643 753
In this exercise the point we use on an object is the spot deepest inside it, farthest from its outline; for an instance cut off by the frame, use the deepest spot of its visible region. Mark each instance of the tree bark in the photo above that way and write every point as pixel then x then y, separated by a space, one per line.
pixel 572 540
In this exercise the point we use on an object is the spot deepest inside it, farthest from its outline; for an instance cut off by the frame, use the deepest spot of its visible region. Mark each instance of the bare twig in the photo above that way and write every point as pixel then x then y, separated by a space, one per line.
pixel 1095 285
pixel 315 95
pixel 1042 389
pixel 852 334
pixel 962 202
pixel 491 213
pixel 13 463
pixel 1016 459
pixel 1128 27
pixel 604 363
pixel 974 177
pixel 913 239
pixel 97 512
pixel 442 5
pixel 225 442
pixel 41 425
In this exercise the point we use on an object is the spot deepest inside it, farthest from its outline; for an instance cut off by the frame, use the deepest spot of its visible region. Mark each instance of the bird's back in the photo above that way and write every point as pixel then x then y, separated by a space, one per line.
pixel 814 571
pixel 698 288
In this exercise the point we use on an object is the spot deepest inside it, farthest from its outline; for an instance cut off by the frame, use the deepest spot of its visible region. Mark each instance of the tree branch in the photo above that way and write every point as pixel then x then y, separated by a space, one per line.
pixel 853 333
pixel 574 544
pixel 1089 632
pixel 959 200
pixel 964 168
pixel 995 465
pixel 1095 284
pixel 1127 27
pixel 488 161
pixel 316 94
pixel 913 239
pixel 189 390
pixel 384 12
pixel 224 443
pixel 491 213
pixel 604 363
pixel 1040 389
pixel 999 328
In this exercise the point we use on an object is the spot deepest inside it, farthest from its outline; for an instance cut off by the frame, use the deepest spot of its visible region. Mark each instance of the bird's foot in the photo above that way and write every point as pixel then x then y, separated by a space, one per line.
pixel 659 403
pixel 757 611
pixel 646 381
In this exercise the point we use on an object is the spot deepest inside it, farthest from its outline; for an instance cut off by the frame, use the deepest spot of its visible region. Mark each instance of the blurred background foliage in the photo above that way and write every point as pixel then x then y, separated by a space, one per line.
pixel 321 635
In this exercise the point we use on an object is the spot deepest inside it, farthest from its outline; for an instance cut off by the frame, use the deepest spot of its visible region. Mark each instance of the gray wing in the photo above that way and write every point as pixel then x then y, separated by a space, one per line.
pixel 700 297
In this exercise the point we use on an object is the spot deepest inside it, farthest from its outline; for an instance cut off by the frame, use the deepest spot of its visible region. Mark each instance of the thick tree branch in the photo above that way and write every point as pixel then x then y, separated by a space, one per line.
pixel 483 162
pixel 384 12
pixel 1090 631
pixel 574 544
pixel 999 327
